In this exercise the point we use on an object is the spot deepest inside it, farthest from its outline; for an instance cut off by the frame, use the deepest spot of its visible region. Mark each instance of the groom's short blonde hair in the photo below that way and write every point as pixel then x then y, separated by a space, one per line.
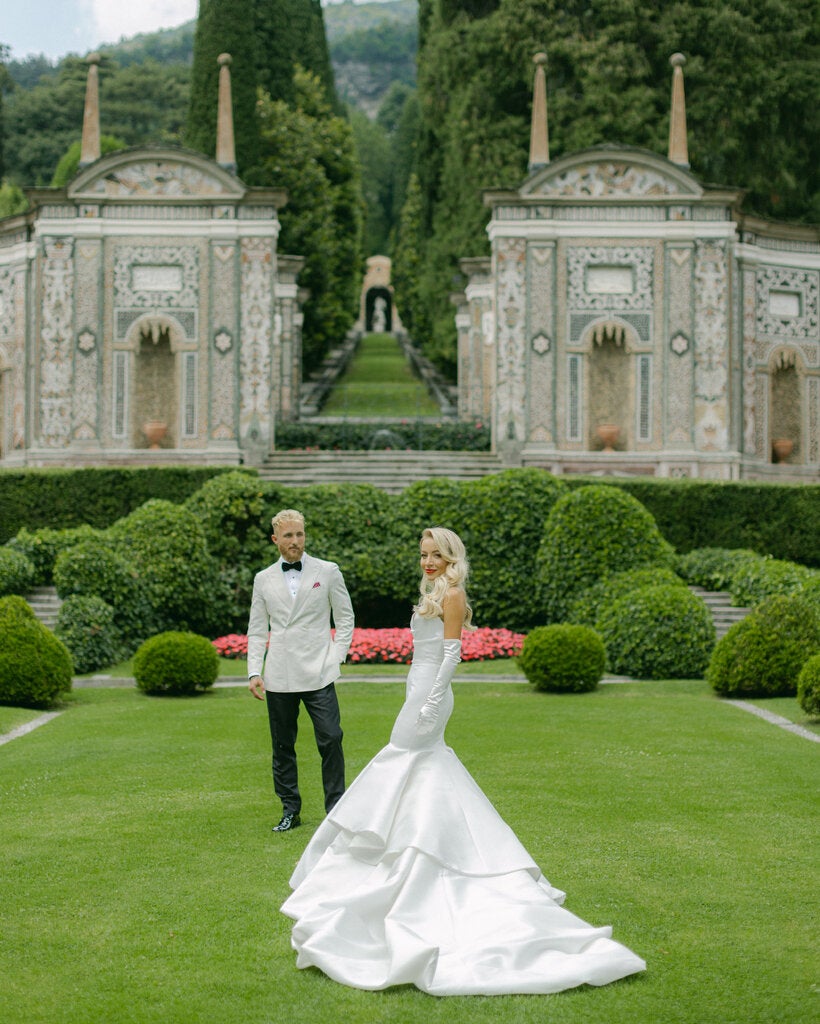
pixel 287 515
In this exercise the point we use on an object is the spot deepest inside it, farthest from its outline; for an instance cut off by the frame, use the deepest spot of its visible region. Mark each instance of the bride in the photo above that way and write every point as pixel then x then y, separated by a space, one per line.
pixel 413 877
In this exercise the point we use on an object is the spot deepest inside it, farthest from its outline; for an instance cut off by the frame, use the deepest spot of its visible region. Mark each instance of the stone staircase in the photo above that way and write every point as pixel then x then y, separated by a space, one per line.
pixel 45 604
pixel 391 471
pixel 724 614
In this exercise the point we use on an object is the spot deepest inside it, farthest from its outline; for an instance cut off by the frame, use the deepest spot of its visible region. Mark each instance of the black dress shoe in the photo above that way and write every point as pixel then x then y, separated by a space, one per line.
pixel 288 822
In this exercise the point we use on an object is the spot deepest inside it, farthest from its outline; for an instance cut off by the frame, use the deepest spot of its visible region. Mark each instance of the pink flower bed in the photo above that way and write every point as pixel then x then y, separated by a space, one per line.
pixel 383 646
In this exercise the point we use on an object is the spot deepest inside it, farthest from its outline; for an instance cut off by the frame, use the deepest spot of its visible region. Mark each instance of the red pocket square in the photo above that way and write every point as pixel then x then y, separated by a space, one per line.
pixel 316 584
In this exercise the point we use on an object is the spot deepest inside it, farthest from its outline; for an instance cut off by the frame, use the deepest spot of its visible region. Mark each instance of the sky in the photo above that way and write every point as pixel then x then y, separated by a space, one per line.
pixel 58 27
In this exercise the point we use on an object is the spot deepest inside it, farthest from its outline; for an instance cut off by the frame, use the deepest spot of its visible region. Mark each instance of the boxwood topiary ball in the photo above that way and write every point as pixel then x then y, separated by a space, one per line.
pixel 35 667
pixel 563 658
pixel 808 687
pixel 176 664
pixel 762 655
pixel 658 632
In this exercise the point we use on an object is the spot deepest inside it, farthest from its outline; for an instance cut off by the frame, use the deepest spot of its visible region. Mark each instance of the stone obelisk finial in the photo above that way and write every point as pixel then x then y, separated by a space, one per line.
pixel 678 149
pixel 90 148
pixel 539 138
pixel 225 151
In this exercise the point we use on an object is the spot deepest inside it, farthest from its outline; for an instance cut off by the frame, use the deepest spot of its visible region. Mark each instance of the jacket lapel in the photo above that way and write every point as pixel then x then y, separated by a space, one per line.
pixel 309 574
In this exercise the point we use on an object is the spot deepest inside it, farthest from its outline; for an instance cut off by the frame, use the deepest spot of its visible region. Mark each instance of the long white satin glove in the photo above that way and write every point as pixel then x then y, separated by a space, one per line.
pixel 430 709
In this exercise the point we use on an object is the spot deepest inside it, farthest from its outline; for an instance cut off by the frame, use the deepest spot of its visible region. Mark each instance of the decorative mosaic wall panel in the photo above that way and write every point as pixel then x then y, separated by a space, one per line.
pixel 157 178
pixel 85 426
pixel 636 295
pixel 223 347
pixel 813 420
pixel 156 277
pixel 609 179
pixel 679 359
pixel 541 347
pixel 711 345
pixel 511 342
pixel 750 412
pixel 56 341
pixel 256 334
pixel 18 363
pixel 762 416
pixel 787 303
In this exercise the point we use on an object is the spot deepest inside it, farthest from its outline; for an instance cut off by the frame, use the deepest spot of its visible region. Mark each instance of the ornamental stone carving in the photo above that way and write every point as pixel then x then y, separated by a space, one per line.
pixel 787 303
pixel 147 178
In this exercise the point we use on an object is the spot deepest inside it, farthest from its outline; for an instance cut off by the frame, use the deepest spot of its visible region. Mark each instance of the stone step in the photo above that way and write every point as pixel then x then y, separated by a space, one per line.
pixel 391 471
pixel 724 613
pixel 45 604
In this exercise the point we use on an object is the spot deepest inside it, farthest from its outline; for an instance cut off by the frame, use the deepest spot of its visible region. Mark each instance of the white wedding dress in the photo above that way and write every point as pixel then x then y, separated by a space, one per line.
pixel 414 878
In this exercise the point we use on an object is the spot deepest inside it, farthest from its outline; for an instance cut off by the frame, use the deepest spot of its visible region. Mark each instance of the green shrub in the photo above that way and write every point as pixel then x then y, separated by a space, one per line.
pixel 94 569
pixel 762 655
pixel 587 607
pixel 808 686
pixel 590 533
pixel 350 435
pixel 16 572
pixel 14 608
pixel 164 544
pixel 714 568
pixel 658 632
pixel 43 546
pixel 35 667
pixel 756 580
pixel 563 658
pixel 86 627
pixel 176 663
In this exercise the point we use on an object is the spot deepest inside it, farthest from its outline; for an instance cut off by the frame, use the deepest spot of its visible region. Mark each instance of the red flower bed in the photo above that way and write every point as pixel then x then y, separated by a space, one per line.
pixel 395 646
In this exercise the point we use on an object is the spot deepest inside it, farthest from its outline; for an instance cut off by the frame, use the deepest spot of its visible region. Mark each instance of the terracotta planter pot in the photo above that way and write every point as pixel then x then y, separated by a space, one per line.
pixel 608 433
pixel 154 431
pixel 782 448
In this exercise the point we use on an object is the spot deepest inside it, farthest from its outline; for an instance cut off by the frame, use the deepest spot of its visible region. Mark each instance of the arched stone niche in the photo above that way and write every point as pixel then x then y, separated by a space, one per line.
pixel 378 305
pixel 786 385
pixel 611 385
pixel 156 342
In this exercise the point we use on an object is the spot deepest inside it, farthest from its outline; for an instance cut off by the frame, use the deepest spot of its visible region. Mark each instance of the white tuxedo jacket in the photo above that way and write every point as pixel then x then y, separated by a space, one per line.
pixel 301 654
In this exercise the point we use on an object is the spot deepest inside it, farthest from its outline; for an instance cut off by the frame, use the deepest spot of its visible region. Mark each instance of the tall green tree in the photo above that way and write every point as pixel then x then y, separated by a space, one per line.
pixel 310 151
pixel 225 26
pixel 291 33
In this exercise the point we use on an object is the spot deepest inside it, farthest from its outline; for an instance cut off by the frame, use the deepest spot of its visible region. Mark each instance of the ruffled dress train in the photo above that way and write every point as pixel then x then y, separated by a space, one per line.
pixel 414 878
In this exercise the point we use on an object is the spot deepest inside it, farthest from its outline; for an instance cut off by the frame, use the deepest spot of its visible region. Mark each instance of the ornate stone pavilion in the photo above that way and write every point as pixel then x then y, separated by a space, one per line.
pixel 632 320
pixel 145 314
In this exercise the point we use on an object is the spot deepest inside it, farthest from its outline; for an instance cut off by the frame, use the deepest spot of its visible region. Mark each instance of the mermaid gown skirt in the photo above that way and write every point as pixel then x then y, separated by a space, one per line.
pixel 414 878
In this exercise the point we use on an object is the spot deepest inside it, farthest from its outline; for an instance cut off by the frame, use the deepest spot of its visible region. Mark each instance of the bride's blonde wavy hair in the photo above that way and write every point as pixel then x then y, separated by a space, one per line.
pixel 432 592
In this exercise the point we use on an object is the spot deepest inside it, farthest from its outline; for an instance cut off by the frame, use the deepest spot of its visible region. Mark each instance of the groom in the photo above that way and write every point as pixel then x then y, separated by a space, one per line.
pixel 291 606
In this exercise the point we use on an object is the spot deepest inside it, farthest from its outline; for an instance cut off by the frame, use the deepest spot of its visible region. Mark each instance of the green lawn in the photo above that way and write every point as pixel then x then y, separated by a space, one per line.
pixel 380 382
pixel 141 882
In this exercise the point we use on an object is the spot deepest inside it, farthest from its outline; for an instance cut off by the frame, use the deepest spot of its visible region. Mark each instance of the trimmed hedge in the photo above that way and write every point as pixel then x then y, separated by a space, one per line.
pixel 590 533
pixel 35 667
pixel 658 632
pixel 33 498
pixel 587 607
pixel 176 663
pixel 43 546
pixel 86 626
pixel 782 520
pixel 563 658
pixel 808 687
pixel 412 434
pixel 762 655
pixel 17 574
pixel 714 568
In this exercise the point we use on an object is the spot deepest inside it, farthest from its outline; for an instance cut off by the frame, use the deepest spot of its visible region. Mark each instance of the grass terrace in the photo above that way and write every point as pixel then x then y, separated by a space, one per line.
pixel 141 882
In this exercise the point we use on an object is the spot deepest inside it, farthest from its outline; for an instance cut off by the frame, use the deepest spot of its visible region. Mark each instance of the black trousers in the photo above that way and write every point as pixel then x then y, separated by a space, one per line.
pixel 283 715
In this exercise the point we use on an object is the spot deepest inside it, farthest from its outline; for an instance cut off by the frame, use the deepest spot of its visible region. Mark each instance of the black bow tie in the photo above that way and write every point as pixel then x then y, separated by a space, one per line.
pixel 286 566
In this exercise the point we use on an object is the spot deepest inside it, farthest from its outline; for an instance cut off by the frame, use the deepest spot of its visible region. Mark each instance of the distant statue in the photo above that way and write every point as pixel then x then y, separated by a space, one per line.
pixel 379 315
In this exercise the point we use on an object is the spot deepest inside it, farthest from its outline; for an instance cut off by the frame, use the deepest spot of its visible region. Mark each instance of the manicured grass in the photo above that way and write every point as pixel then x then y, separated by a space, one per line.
pixel 141 882
pixel 380 382
pixel 787 707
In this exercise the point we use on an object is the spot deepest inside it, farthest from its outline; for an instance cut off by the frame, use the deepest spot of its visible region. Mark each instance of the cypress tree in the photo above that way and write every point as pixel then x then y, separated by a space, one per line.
pixel 225 26
pixel 291 33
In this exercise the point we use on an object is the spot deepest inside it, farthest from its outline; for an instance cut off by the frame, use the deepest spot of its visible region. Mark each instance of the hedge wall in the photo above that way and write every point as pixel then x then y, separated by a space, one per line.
pixel 71 497
pixel 782 520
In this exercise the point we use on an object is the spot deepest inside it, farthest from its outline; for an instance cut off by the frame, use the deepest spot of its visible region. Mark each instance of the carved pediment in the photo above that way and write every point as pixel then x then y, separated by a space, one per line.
pixel 612 174
pixel 155 174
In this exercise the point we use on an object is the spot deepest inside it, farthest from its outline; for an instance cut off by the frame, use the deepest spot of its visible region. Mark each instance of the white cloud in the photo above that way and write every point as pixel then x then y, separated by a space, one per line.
pixel 113 20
